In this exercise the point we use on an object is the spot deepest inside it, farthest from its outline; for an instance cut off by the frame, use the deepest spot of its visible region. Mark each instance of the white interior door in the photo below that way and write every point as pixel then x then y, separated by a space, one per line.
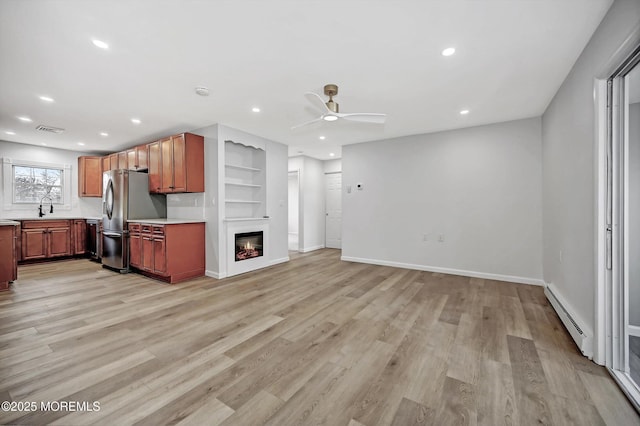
pixel 333 208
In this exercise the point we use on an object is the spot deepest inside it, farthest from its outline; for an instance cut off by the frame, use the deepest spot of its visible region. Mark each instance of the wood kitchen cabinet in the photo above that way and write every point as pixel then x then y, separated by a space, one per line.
pixel 79 236
pixel 122 160
pixel 113 161
pixel 137 158
pixel 155 166
pixel 170 252
pixel 42 239
pixel 106 163
pixel 8 255
pixel 89 176
pixel 176 164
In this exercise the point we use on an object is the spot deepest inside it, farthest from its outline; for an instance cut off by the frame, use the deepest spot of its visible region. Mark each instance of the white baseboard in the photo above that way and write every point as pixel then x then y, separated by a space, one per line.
pixel 214 274
pixel 276 261
pixel 313 248
pixel 473 274
pixel 581 333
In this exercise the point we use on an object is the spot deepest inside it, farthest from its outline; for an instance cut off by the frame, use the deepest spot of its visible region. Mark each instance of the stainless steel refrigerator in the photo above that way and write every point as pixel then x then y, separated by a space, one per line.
pixel 125 197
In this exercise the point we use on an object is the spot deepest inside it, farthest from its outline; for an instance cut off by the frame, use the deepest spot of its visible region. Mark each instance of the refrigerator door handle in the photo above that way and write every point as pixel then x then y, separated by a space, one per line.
pixel 111 234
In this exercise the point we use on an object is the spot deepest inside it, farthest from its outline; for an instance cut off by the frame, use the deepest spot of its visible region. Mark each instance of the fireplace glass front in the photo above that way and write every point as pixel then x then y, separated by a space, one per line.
pixel 248 245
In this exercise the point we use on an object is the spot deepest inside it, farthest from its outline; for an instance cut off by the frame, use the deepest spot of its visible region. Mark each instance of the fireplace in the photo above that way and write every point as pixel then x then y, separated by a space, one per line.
pixel 248 245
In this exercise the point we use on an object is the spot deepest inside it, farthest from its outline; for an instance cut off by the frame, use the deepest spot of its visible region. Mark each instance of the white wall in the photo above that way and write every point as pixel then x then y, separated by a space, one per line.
pixel 480 188
pixel 311 233
pixel 80 206
pixel 332 166
pixel 568 162
pixel 209 206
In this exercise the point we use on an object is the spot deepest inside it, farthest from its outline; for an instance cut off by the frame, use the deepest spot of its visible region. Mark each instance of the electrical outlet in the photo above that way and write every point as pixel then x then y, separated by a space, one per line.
pixel 441 238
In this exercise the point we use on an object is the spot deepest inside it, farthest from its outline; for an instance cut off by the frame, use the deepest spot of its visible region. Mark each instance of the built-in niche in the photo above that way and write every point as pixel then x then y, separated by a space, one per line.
pixel 245 181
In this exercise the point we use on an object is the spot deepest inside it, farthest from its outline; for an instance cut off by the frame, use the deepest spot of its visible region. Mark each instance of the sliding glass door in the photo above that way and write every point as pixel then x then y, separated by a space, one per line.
pixel 623 225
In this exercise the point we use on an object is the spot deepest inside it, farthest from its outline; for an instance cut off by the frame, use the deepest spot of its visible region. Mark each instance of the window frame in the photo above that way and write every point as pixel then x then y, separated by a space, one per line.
pixel 9 184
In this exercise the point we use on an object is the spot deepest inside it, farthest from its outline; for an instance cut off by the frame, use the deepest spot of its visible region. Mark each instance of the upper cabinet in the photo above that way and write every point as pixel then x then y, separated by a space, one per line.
pixel 137 158
pixel 90 176
pixel 176 164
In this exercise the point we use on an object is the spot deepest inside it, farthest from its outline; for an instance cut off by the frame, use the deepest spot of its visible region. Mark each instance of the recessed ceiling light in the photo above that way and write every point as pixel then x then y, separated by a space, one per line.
pixel 9 132
pixel 105 134
pixel 99 43
pixel 322 138
pixel 331 154
pixel 202 91
pixel 46 99
pixel 81 143
pixel 329 118
pixel 25 119
pixel 448 51
pixel 464 112
pixel 255 109
pixel 136 121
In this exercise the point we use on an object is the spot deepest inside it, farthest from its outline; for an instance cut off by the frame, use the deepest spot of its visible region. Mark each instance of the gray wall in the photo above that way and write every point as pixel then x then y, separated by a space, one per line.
pixel 479 187
pixel 569 178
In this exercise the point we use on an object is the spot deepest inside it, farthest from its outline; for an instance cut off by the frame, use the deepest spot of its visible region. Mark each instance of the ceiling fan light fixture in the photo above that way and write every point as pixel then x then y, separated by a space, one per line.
pixel 330 118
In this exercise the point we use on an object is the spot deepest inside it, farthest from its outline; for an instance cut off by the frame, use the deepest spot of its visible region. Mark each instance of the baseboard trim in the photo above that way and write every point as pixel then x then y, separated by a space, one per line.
pixel 214 274
pixel 573 323
pixel 277 261
pixel 313 248
pixel 473 274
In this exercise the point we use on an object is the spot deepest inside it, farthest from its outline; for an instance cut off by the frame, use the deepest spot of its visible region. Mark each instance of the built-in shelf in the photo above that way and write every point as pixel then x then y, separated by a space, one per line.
pixel 243 219
pixel 251 169
pixel 248 185
pixel 244 187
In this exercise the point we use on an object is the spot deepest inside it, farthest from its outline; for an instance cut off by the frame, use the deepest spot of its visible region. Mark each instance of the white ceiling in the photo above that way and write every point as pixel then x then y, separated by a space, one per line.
pixel 385 56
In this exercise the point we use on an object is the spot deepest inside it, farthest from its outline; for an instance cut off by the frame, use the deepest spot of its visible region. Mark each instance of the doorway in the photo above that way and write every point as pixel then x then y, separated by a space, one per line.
pixel 333 210
pixel 621 263
pixel 294 210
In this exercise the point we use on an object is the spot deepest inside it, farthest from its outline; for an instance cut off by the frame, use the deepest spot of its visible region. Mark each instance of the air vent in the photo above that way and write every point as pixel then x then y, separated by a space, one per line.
pixel 50 129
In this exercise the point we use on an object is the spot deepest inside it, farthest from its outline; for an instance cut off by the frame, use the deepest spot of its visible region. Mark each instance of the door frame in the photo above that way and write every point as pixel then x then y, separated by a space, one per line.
pixel 610 186
pixel 325 207
pixel 298 174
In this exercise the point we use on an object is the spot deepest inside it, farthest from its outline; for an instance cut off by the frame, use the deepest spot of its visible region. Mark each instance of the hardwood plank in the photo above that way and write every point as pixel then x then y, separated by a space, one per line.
pixel 529 381
pixel 411 413
pixel 312 341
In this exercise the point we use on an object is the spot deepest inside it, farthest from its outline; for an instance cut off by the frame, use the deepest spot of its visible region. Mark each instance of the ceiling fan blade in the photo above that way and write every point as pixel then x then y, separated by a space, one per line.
pixel 317 101
pixel 364 117
pixel 306 123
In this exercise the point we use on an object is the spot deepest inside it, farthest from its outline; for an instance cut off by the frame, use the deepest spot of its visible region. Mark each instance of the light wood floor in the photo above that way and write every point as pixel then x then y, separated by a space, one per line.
pixel 312 341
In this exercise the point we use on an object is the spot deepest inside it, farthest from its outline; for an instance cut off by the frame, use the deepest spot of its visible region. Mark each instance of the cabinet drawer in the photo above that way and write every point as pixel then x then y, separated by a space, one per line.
pixel 146 229
pixel 158 230
pixel 31 224
pixel 134 227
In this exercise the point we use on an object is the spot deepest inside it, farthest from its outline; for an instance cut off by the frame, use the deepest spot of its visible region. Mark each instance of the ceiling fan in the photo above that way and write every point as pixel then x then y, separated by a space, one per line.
pixel 331 112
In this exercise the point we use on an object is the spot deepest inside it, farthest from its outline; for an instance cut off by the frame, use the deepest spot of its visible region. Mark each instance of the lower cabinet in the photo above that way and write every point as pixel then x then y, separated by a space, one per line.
pixel 43 239
pixel 8 255
pixel 79 236
pixel 171 252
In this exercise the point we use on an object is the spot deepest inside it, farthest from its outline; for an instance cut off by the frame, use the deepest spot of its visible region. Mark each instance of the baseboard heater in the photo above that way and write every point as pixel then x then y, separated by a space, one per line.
pixel 582 338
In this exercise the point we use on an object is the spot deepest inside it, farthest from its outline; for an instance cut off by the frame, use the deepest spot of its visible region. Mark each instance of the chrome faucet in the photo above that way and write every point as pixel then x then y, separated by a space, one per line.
pixel 40 212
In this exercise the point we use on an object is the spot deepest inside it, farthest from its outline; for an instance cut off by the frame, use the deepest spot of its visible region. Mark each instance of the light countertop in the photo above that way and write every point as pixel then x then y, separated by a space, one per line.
pixel 7 222
pixel 165 221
